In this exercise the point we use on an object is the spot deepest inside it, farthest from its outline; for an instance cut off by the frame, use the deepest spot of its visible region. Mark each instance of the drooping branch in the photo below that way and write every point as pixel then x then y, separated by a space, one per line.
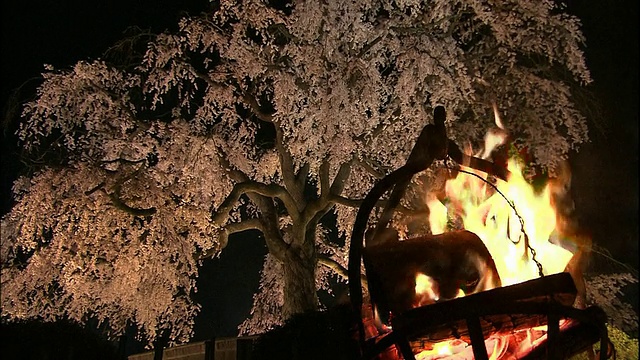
pixel 120 204
pixel 116 198
pixel 230 229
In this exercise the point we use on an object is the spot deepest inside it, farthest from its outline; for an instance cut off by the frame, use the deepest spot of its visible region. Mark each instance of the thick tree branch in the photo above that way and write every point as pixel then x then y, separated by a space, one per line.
pixel 294 184
pixel 301 176
pixel 316 209
pixel 324 179
pixel 271 230
pixel 286 162
pixel 276 244
pixel 237 227
pixel 288 174
pixel 268 190
pixel 341 178
pixel 338 199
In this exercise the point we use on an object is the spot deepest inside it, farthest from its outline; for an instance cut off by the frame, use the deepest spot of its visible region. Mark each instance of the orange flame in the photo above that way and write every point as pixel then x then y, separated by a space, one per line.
pixel 501 217
pixel 485 212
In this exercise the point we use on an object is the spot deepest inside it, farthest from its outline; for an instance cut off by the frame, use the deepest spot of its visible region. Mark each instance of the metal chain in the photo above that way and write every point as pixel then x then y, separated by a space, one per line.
pixel 512 205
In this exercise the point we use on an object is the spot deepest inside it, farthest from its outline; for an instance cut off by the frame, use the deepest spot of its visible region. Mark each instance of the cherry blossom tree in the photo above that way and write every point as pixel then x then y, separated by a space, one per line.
pixel 269 116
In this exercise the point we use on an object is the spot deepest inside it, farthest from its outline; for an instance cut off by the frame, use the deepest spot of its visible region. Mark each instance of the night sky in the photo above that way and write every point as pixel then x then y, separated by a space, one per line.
pixel 605 187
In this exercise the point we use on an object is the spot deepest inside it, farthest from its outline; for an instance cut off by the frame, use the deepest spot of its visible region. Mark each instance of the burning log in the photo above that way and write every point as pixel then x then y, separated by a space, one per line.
pixel 456 261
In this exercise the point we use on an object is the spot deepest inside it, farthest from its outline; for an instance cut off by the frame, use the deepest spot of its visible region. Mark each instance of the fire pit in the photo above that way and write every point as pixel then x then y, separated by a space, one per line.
pixel 446 295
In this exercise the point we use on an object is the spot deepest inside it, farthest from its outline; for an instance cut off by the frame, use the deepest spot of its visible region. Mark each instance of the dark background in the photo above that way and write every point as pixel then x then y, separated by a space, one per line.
pixel 605 182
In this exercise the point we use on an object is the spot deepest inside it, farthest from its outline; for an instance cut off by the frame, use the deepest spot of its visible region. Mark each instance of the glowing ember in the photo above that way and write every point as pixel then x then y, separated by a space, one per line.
pixel 442 350
pixel 513 345
pixel 426 290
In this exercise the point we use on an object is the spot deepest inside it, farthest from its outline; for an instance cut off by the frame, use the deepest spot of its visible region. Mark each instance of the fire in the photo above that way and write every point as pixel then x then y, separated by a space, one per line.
pixel 501 216
pixel 488 213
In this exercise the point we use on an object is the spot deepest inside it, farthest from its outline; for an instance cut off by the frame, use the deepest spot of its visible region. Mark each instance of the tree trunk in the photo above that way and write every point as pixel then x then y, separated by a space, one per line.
pixel 299 280
pixel 159 345
pixel 158 350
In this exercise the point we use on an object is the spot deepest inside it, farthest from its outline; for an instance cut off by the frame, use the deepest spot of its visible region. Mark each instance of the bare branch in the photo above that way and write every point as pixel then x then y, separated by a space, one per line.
pixel 95 188
pixel 370 169
pixel 339 269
